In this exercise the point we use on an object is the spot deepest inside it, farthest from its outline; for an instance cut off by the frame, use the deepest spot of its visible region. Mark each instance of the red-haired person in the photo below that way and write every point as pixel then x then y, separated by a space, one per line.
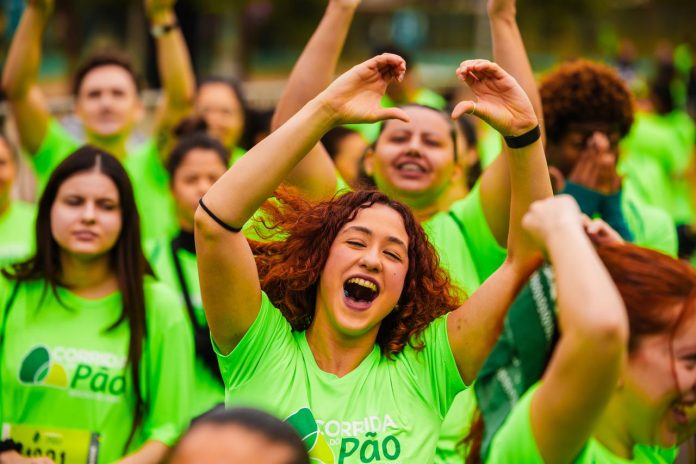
pixel 347 327
pixel 621 381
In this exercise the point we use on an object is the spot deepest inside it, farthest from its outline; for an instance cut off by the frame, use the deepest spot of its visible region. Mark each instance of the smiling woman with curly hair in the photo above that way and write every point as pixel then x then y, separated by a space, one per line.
pixel 345 325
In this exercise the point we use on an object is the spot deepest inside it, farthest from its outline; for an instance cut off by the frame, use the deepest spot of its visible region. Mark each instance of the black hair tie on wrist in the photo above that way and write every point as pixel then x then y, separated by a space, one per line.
pixel 524 140
pixel 223 224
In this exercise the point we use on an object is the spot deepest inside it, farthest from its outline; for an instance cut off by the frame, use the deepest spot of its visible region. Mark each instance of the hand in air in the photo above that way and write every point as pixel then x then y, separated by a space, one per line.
pixel 153 7
pixel 500 101
pixel 356 95
pixel 551 216
pixel 596 166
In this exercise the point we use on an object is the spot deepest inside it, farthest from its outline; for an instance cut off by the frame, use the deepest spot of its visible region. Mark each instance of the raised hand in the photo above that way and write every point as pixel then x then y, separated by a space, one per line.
pixel 551 216
pixel 355 96
pixel 155 7
pixel 501 102
pixel 600 232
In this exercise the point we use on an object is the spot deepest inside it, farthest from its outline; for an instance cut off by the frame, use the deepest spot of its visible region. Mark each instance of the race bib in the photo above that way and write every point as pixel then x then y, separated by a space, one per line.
pixel 62 446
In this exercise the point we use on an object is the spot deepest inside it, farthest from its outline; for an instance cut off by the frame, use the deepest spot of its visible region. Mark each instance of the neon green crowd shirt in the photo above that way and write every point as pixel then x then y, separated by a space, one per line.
pixel 207 390
pixel 17 232
pixel 66 389
pixel 147 174
pixel 386 411
pixel 514 443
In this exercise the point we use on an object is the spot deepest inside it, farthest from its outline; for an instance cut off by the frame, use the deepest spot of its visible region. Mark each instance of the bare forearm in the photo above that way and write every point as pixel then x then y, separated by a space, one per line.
pixel 254 178
pixel 316 66
pixel 24 57
pixel 510 53
pixel 174 62
pixel 529 182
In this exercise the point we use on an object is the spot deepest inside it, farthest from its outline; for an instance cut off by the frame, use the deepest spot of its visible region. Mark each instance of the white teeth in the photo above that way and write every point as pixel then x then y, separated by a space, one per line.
pixel 411 167
pixel 363 283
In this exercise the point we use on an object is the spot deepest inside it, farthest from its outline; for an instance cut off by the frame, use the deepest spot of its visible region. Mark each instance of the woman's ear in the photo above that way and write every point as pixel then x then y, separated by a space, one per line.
pixel 368 161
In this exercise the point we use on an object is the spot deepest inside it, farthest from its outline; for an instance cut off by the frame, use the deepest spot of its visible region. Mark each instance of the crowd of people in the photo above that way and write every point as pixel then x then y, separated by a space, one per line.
pixel 382 277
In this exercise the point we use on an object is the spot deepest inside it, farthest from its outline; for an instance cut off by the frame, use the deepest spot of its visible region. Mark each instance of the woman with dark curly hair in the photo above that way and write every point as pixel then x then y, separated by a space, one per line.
pixel 588 110
pixel 343 337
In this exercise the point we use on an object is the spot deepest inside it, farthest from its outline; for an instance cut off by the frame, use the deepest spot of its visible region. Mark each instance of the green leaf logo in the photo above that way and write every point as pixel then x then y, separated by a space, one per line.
pixel 303 421
pixel 36 368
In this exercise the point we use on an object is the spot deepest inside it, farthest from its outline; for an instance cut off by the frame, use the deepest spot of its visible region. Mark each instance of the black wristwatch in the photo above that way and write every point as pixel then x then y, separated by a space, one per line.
pixel 159 30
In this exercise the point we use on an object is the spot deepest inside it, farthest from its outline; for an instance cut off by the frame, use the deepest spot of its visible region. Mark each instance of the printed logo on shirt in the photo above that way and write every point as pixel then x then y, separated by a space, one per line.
pixel 85 373
pixel 357 440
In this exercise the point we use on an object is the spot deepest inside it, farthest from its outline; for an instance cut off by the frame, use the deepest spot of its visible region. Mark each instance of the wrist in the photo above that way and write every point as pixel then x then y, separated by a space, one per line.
pixel 524 139
pixel 506 15
pixel 337 6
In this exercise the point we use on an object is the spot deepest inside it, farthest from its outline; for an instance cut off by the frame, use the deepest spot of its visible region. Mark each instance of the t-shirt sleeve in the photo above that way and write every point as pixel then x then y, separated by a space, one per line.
pixel 56 146
pixel 269 334
pixel 514 442
pixel 168 366
pixel 445 382
pixel 487 254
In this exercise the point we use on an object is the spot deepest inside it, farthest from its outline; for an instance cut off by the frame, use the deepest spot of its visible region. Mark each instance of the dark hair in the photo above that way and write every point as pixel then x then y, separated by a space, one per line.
pixel 467 128
pixel 273 429
pixel 107 57
pixel 659 293
pixel 257 124
pixel 585 92
pixel 289 269
pixel 126 256
pixel 333 138
pixel 190 142
pixel 233 85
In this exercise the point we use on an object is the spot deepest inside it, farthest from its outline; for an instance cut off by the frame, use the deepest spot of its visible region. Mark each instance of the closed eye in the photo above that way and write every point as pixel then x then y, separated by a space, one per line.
pixel 355 243
pixel 393 255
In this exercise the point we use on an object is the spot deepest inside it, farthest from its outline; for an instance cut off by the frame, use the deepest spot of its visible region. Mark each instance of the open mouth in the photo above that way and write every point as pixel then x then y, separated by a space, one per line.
pixel 360 290
pixel 410 167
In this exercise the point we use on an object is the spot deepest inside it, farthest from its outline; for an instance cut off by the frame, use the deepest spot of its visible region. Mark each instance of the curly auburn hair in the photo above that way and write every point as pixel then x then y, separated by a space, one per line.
pixel 302 233
pixel 584 91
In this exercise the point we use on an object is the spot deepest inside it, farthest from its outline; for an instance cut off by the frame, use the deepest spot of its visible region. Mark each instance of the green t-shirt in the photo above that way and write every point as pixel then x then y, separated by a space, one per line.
pixel 147 174
pixel 386 411
pixel 17 232
pixel 651 226
pixel 464 241
pixel 514 443
pixel 655 155
pixel 65 384
pixel 207 390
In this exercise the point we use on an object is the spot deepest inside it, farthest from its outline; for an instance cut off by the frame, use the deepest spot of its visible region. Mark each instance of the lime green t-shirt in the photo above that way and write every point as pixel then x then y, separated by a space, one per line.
pixel 17 232
pixel 514 443
pixel 651 226
pixel 66 388
pixel 464 242
pixel 147 174
pixel 386 411
pixel 207 390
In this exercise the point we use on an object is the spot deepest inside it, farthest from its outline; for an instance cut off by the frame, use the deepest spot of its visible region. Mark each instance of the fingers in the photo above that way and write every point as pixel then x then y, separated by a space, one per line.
pixel 471 71
pixel 393 113
pixel 464 107
pixel 389 66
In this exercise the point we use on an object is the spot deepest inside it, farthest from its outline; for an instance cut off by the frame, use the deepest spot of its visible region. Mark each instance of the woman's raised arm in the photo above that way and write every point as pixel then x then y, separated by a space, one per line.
pixel 229 279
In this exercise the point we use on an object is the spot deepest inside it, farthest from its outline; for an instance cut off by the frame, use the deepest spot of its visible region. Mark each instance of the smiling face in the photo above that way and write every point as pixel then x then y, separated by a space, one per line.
pixel 86 215
pixel 658 405
pixel 217 103
pixel 198 171
pixel 108 102
pixel 364 274
pixel 414 162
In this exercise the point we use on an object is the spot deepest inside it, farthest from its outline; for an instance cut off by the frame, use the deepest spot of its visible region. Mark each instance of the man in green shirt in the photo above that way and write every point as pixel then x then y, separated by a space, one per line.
pixel 107 102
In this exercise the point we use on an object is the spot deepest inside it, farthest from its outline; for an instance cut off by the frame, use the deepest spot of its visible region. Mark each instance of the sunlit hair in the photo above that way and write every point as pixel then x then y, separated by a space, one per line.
pixel 583 91
pixel 289 268
pixel 659 293
pixel 126 256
